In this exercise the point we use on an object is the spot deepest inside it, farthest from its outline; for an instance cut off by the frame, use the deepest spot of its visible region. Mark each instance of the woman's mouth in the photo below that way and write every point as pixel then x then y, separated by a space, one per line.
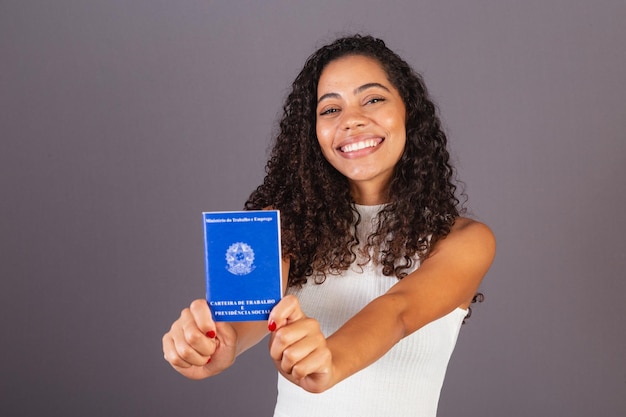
pixel 357 146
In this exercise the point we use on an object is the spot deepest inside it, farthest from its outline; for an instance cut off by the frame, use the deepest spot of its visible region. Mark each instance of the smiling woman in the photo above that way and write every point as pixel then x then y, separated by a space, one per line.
pixel 360 125
pixel 379 267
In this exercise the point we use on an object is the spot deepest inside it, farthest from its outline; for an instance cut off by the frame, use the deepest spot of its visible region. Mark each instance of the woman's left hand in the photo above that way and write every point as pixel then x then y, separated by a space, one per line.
pixel 299 348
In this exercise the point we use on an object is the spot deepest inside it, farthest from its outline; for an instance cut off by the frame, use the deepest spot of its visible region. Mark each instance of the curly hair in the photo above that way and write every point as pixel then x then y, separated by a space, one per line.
pixel 317 211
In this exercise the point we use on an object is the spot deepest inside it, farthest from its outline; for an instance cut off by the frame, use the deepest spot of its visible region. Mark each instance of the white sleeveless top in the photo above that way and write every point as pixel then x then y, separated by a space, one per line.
pixel 406 381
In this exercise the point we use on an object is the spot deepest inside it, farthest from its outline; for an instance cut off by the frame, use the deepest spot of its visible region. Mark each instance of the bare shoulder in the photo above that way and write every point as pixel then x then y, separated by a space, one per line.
pixel 473 228
pixel 470 238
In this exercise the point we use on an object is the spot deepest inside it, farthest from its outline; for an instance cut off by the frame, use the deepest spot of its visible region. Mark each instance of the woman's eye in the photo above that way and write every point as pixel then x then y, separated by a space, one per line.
pixel 375 100
pixel 329 111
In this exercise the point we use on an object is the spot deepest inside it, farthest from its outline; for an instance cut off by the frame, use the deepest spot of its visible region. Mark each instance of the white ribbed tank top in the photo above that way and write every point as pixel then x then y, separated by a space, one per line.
pixel 406 381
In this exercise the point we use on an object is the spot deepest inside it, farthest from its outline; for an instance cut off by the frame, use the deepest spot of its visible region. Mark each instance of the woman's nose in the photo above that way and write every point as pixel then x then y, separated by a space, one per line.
pixel 353 118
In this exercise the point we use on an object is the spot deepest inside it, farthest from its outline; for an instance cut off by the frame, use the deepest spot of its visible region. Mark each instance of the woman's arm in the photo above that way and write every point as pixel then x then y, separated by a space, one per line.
pixel 448 279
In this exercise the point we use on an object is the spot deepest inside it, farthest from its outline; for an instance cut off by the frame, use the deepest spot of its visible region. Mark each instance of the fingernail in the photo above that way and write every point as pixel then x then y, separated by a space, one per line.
pixel 209 361
pixel 210 334
pixel 272 326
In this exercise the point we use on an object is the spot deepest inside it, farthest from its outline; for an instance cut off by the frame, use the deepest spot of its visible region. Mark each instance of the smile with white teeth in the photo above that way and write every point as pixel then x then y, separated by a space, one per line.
pixel 369 143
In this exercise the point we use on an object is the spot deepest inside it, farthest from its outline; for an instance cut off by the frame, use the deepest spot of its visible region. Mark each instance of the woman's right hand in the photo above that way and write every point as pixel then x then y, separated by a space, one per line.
pixel 198 347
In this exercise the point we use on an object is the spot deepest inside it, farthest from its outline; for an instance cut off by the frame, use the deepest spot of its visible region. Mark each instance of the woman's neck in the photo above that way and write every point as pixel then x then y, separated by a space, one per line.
pixel 369 194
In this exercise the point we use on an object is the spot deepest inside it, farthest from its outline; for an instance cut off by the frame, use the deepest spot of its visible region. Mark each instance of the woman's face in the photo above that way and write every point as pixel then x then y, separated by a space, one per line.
pixel 360 124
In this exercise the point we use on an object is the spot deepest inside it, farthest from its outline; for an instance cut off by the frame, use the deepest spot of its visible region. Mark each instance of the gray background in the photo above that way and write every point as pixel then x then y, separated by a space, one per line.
pixel 121 121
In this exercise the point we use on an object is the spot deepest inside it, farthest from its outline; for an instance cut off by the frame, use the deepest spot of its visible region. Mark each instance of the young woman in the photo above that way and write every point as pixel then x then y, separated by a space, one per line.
pixel 380 269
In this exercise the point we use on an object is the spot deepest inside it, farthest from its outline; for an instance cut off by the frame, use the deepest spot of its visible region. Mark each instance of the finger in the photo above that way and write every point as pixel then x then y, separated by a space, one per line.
pixel 191 342
pixel 292 342
pixel 201 314
pixel 171 354
pixel 179 353
pixel 317 362
pixel 180 365
pixel 287 311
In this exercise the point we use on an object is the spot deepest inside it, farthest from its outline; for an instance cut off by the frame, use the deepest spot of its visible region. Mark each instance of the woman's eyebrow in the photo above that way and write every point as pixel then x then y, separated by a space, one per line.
pixel 328 95
pixel 369 85
pixel 356 91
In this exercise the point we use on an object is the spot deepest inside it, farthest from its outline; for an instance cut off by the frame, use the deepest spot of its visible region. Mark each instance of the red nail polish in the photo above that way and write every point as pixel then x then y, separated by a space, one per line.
pixel 209 361
pixel 211 334
pixel 272 326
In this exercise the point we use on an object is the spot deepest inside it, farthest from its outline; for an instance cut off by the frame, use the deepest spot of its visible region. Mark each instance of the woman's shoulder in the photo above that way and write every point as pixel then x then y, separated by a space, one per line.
pixel 469 236
pixel 470 225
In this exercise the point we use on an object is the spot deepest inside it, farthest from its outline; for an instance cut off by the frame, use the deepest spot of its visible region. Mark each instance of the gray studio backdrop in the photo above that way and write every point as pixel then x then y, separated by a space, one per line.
pixel 121 121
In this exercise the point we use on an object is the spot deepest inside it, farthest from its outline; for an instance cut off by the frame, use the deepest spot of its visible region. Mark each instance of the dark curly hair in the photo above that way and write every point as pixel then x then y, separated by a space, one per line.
pixel 317 210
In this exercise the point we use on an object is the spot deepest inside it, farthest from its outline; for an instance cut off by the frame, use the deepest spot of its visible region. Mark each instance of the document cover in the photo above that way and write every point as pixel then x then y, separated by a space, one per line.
pixel 243 264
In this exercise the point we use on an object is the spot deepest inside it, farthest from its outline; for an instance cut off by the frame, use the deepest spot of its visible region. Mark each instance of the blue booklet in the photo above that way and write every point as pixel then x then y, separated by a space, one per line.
pixel 243 264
